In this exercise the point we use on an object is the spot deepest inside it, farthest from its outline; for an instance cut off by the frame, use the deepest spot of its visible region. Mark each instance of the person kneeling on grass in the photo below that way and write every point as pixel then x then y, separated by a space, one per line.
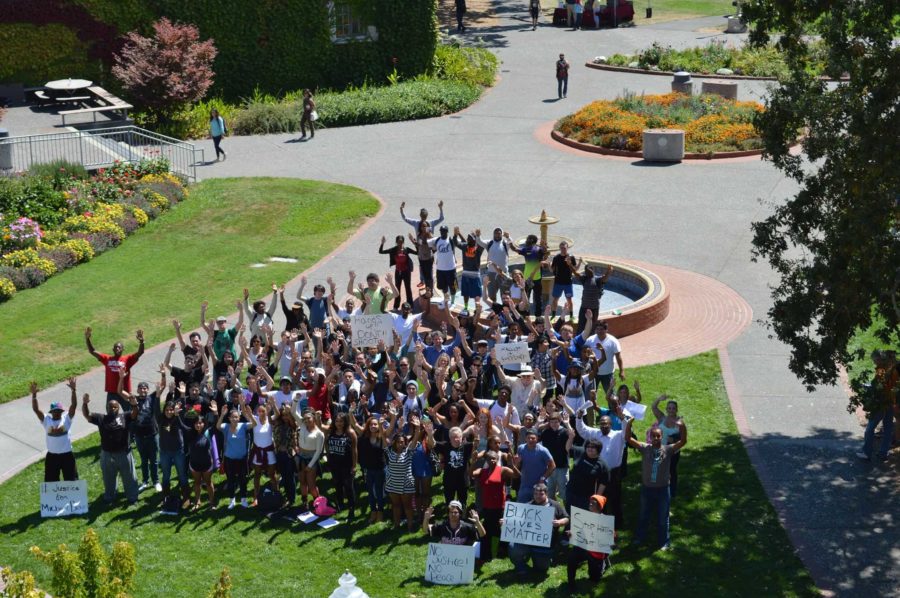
pixel 598 562
pixel 540 556
pixel 454 530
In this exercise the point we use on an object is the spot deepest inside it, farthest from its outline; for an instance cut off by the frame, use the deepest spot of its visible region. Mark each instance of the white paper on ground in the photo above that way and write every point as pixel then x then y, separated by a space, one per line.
pixel 328 523
pixel 307 517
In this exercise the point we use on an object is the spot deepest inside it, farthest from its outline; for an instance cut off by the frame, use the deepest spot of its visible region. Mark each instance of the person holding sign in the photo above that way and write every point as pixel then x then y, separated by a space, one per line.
pixel 454 530
pixel 115 452
pixel 655 468
pixel 60 458
pixel 540 556
pixel 597 562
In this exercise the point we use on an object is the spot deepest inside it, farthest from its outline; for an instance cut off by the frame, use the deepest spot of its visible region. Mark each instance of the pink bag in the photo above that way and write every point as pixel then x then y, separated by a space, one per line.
pixel 321 507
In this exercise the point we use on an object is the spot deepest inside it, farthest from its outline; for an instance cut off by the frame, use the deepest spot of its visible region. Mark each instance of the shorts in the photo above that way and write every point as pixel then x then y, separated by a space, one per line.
pixel 210 470
pixel 446 280
pixel 559 289
pixel 470 286
pixel 258 452
pixel 305 461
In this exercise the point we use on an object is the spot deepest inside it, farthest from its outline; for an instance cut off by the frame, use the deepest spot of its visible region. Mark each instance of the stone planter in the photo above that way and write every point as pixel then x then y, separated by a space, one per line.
pixel 726 89
pixel 663 145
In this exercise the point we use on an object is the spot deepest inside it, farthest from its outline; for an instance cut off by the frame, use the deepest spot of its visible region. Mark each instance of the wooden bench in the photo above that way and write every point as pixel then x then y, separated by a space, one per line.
pixel 111 104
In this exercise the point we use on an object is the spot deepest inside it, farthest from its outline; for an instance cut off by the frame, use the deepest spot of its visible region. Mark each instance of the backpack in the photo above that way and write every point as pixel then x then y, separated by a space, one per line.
pixel 322 508
pixel 269 501
pixel 171 505
pixel 503 243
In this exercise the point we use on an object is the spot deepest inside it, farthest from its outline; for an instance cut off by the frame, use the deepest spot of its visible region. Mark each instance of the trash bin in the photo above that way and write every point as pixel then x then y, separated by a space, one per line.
pixel 6 162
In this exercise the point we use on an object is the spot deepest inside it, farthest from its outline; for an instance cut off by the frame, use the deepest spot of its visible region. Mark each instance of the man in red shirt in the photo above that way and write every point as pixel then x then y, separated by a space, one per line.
pixel 114 363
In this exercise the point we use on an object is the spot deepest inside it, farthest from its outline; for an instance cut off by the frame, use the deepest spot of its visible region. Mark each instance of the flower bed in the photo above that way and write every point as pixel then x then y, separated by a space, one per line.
pixel 711 123
pixel 54 218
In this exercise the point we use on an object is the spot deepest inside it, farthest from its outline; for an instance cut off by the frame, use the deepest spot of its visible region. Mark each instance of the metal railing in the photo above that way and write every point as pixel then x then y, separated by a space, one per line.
pixel 97 148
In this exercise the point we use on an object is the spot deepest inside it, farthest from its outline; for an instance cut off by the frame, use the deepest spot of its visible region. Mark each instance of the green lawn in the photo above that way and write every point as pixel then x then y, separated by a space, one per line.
pixel 725 536
pixel 668 10
pixel 201 250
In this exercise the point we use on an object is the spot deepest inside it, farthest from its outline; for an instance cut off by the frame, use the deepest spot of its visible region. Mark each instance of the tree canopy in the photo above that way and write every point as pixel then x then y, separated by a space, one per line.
pixel 835 244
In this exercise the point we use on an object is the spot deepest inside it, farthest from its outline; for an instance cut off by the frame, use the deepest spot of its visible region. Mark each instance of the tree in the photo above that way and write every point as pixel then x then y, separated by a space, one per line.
pixel 835 244
pixel 169 70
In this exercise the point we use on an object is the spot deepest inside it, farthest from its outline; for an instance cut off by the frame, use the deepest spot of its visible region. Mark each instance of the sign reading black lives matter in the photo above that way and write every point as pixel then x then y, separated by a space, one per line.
pixel 527 524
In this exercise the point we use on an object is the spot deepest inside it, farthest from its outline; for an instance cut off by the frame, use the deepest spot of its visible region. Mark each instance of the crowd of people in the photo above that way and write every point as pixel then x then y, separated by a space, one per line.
pixel 312 418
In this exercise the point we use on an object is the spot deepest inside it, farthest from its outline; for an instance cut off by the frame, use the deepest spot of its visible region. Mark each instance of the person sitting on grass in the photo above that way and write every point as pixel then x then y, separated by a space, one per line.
pixel 454 531
pixel 57 422
pixel 541 556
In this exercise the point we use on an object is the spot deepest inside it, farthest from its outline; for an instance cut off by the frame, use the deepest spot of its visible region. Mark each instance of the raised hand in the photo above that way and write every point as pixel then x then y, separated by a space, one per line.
pixel 176 324
pixel 87 333
pixel 33 387
pixel 246 294
pixel 70 382
pixel 441 204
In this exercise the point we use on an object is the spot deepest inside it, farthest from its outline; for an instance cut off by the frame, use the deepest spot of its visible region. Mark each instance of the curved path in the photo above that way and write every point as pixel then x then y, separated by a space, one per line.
pixel 488 166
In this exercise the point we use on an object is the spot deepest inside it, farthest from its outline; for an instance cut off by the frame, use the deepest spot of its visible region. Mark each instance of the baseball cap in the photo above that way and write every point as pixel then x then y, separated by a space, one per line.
pixel 56 407
pixel 455 503
pixel 285 379
pixel 221 319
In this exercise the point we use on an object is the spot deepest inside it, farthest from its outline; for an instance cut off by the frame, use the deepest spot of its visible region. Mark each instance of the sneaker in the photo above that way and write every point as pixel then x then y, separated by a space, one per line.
pixel 244 503
pixel 666 547
pixel 232 504
pixel 143 487
pixel 863 456
pixel 158 487
pixel 224 156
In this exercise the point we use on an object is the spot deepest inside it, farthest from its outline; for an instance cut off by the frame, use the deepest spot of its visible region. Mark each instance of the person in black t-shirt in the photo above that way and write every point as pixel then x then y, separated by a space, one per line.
pixel 563 266
pixel 455 457
pixel 145 429
pixel 590 476
pixel 454 530
pixel 558 439
pixel 115 451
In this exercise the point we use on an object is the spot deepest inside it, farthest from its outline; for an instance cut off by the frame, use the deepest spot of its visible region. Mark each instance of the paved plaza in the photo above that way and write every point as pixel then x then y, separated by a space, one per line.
pixel 492 166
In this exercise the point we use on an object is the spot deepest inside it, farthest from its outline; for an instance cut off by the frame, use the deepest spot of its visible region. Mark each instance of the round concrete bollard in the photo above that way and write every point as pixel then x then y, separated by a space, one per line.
pixel 726 89
pixel 681 83
pixel 735 25
pixel 6 162
pixel 663 145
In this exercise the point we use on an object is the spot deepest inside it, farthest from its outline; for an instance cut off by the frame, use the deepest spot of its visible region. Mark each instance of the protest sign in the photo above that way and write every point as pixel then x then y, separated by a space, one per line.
pixel 635 410
pixel 450 564
pixel 508 353
pixel 527 524
pixel 592 531
pixel 368 329
pixel 59 499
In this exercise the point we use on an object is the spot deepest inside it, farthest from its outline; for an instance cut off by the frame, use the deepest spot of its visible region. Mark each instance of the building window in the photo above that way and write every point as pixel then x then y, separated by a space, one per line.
pixel 347 26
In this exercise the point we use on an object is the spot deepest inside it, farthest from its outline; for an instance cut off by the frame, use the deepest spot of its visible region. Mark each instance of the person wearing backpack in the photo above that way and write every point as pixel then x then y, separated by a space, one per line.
pixel 497 254
pixel 217 130
pixel 562 72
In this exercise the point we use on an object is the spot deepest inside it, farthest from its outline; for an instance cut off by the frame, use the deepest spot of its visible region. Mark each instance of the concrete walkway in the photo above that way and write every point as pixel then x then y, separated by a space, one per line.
pixel 490 169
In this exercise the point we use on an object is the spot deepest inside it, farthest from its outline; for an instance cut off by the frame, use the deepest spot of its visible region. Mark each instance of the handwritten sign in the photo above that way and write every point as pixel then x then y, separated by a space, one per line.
pixel 635 410
pixel 592 531
pixel 450 564
pixel 368 329
pixel 508 353
pixel 527 524
pixel 59 499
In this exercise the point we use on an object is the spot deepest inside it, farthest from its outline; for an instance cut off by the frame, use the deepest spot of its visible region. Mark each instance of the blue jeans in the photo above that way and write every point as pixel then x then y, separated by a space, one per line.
pixel 375 485
pixel 166 460
pixel 887 434
pixel 557 482
pixel 147 447
pixel 562 86
pixel 540 557
pixel 649 496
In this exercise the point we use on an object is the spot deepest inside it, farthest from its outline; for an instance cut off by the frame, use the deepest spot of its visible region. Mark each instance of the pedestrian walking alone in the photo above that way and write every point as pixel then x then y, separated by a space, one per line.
pixel 310 116
pixel 562 76
pixel 534 6
pixel 460 13
pixel 217 130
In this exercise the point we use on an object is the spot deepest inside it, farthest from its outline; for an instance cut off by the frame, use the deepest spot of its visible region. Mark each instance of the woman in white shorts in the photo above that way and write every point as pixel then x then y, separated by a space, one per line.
pixel 262 455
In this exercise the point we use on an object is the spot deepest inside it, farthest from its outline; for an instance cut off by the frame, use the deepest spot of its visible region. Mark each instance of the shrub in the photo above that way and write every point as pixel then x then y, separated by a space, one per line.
pixel 476 66
pixel 34 276
pixel 17 276
pixel 222 589
pixel 102 240
pixel 33 197
pixel 88 223
pixel 60 173
pixel 24 258
pixel 7 290
pixel 22 232
pixel 90 572
pixel 171 69
pixel 27 57
pixel 80 248
pixel 62 257
pixel 187 122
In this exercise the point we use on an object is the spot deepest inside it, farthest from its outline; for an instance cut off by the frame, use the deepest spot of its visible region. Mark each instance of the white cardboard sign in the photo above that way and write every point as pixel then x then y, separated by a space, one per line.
pixel 59 499
pixel 368 329
pixel 635 410
pixel 450 564
pixel 508 353
pixel 592 531
pixel 527 524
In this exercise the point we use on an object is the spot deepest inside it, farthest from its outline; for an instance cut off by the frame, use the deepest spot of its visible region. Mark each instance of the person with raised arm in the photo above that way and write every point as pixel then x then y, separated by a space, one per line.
pixel 399 259
pixel 145 429
pixel 454 531
pixel 340 443
pixel 57 422
pixel 671 425
pixel 423 217
pixel 311 447
pixel 115 452
pixel 492 479
pixel 235 451
pixel 609 345
pixel 613 447
pixel 222 336
pixel 115 363
pixel 258 315
pixel 371 454
pixel 195 345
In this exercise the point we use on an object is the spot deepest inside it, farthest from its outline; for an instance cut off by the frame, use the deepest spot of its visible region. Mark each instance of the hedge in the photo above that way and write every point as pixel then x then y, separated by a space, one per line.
pixel 35 54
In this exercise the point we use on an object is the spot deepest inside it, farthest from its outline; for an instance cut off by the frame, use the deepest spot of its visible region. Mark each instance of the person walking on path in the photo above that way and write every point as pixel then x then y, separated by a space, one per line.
pixel 217 130
pixel 883 392
pixel 460 13
pixel 310 116
pixel 60 458
pixel 534 7
pixel 562 72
